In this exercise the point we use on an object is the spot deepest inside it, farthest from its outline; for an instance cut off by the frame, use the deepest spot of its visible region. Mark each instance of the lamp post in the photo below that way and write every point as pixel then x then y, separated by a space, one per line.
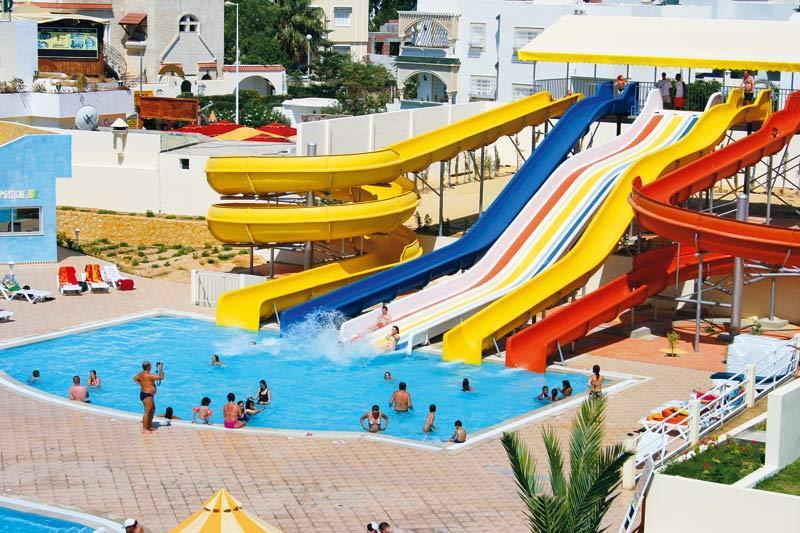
pixel 237 57
pixel 308 56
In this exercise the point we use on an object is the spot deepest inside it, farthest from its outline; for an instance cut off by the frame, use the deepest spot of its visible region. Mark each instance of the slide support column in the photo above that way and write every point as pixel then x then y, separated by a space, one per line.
pixel 742 205
pixel 441 198
pixel 699 307
pixel 480 190
pixel 308 255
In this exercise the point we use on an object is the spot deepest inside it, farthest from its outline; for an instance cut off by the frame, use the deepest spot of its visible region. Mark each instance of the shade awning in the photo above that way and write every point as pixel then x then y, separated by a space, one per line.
pixel 222 513
pixel 133 19
pixel 669 42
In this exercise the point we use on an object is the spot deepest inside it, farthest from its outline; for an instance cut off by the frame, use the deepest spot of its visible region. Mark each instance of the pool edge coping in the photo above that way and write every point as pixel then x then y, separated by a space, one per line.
pixel 337 437
pixel 60 513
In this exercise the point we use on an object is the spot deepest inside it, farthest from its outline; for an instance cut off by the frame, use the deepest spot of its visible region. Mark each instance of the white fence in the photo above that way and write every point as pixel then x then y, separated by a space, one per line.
pixel 207 286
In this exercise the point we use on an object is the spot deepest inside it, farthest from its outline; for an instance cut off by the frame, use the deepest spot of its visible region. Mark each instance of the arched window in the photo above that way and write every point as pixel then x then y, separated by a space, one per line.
pixel 189 24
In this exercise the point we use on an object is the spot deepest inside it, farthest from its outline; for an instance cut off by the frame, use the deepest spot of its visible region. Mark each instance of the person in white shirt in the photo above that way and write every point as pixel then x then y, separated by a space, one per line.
pixel 664 86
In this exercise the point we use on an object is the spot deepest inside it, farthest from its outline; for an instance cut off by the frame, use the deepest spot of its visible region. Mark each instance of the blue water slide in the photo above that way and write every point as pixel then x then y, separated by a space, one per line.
pixel 384 286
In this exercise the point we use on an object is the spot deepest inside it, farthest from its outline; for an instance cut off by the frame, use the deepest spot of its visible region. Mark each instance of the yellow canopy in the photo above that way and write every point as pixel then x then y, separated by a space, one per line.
pixel 239 134
pixel 669 42
pixel 223 514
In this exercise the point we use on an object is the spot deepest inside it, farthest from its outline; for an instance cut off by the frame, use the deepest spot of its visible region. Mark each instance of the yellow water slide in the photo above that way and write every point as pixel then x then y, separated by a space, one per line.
pixel 357 195
pixel 466 341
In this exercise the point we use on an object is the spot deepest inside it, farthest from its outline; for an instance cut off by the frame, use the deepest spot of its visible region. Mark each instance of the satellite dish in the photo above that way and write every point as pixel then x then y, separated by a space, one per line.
pixel 86 118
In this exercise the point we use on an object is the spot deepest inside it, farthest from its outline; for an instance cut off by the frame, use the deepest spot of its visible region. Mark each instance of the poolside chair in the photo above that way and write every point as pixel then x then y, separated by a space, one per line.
pixel 94 279
pixel 68 281
pixel 111 275
pixel 6 316
pixel 11 289
pixel 651 443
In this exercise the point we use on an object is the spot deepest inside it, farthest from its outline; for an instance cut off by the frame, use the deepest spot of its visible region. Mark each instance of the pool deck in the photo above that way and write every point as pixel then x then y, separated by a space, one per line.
pixel 104 465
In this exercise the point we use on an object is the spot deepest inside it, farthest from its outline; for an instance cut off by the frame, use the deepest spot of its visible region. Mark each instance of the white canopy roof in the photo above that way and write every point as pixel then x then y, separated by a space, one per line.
pixel 669 42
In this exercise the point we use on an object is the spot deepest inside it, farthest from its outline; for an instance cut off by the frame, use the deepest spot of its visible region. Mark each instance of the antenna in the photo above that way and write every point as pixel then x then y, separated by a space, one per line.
pixel 86 118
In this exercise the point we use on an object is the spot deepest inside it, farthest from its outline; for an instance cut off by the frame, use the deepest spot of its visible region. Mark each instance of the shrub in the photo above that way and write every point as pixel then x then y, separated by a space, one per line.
pixel 140 253
pixel 225 257
pixel 135 262
pixel 103 240
pixel 124 244
pixel 67 208
pixel 206 253
pixel 199 218
pixel 170 217
pixel 166 263
pixel 149 214
pixel 106 212
pixel 111 254
pixel 210 261
pixel 226 248
pixel 141 247
pixel 39 88
pixel 80 83
pixel 244 252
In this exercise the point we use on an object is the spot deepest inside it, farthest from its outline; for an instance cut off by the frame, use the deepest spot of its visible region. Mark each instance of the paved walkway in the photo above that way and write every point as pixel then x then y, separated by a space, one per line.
pixel 104 465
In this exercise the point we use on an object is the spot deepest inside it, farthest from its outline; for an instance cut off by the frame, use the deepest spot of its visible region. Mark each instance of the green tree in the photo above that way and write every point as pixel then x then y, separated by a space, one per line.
pixel 295 19
pixel 698 92
pixel 382 11
pixel 360 88
pixel 579 502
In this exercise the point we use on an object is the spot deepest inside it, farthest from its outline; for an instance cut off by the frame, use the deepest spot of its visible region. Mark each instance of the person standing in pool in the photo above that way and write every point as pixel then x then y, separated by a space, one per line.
pixel 35 376
pixel 459 435
pixel 566 388
pixel 554 395
pixel 78 392
pixel 595 383
pixel 465 386
pixel 545 393
pixel 374 419
pixel 387 376
pixel 147 394
pixel 94 380
pixel 215 361
pixel 430 419
pixel 232 413
pixel 401 399
pixel 264 395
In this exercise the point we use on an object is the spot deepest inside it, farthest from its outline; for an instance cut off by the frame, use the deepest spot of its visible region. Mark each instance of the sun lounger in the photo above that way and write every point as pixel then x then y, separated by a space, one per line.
pixel 94 279
pixel 650 444
pixel 5 316
pixel 762 382
pixel 68 281
pixel 112 276
pixel 11 289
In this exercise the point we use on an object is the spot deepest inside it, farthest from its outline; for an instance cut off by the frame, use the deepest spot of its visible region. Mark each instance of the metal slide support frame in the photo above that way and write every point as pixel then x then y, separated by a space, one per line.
pixel 441 198
pixel 742 205
pixel 480 188
pixel 516 147
pixel 308 255
pixel 699 303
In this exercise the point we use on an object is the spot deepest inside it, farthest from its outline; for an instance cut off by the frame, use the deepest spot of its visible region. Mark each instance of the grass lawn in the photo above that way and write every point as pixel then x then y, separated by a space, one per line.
pixel 787 481
pixel 726 463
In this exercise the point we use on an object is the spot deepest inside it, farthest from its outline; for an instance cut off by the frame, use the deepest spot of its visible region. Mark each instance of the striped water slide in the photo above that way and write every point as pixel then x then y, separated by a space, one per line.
pixel 544 230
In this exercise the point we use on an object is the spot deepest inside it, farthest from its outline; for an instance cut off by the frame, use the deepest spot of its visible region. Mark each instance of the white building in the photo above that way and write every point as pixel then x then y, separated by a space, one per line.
pixel 465 50
pixel 347 25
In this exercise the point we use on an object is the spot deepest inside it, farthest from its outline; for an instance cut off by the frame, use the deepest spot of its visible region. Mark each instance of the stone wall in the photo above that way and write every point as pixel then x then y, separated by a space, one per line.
pixel 132 229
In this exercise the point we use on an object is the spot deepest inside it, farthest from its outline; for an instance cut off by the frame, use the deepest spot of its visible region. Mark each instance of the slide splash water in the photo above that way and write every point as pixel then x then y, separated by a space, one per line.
pixel 376 203
pixel 656 209
pixel 466 341
pixel 385 286
pixel 546 227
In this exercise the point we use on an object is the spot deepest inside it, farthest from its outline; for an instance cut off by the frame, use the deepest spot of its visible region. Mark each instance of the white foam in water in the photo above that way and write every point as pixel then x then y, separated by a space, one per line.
pixel 318 336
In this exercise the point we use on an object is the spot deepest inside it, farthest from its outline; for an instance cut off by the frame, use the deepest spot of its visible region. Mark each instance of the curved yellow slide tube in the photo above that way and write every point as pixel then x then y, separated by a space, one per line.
pixel 466 341
pixel 376 210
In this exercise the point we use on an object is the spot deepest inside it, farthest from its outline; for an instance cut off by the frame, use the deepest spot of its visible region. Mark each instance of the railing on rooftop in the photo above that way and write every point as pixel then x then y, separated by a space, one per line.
pixel 560 87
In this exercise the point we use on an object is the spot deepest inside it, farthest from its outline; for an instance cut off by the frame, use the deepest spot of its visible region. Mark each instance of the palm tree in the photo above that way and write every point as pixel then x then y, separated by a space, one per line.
pixel 295 19
pixel 576 504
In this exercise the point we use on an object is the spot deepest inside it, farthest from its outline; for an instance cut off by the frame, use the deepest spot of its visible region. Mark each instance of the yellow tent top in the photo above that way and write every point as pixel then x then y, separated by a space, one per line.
pixel 222 513
pixel 669 42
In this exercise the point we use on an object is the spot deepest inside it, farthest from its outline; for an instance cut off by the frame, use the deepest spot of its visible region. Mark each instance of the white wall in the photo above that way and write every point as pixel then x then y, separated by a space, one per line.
pixel 19 55
pixel 783 428
pixel 58 110
pixel 693 506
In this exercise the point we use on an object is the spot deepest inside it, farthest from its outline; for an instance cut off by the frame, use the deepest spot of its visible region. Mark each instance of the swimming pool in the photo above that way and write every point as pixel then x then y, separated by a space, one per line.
pixel 12 521
pixel 316 384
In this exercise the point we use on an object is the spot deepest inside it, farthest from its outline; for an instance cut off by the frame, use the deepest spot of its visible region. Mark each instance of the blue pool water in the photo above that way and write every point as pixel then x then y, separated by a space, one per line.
pixel 12 521
pixel 316 383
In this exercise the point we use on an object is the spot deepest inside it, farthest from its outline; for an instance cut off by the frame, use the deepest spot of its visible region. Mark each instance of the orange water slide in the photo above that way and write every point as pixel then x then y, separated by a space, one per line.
pixel 656 208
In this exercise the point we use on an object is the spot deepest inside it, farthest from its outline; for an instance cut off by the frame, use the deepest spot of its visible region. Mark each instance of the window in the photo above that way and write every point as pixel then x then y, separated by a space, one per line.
pixel 189 24
pixel 184 163
pixel 523 36
pixel 520 90
pixel 483 87
pixel 341 16
pixel 20 220
pixel 341 48
pixel 477 36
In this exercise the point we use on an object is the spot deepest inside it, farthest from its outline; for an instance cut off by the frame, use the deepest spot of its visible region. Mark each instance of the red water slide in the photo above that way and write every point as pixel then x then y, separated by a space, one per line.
pixel 656 209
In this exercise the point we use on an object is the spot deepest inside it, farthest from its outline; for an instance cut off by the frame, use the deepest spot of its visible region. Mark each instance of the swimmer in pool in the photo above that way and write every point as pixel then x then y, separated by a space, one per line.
pixel 554 395
pixel 169 416
pixel 545 395
pixel 401 399
pixel 94 380
pixel 373 419
pixel 387 376
pixel 216 362
pixel 233 413
pixel 204 412
pixel 430 419
pixel 390 343
pixel 35 376
pixel 264 395
pixel 465 386
pixel 566 388
pixel 459 435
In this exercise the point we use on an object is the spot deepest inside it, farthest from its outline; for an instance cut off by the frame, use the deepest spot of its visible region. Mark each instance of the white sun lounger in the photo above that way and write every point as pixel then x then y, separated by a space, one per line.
pixel 111 275
pixel 5 316
pixel 31 295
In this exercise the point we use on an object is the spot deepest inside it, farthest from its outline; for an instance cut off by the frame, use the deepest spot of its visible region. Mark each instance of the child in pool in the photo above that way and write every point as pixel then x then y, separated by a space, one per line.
pixel 545 395
pixel 554 395
pixel 94 379
pixel 35 376
pixel 431 418
pixel 203 413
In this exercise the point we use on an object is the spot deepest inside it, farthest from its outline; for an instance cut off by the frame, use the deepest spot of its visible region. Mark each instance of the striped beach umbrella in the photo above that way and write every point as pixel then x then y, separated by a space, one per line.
pixel 222 513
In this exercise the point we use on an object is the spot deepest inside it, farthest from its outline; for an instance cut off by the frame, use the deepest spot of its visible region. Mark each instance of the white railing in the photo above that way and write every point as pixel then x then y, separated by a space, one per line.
pixel 686 425
pixel 207 286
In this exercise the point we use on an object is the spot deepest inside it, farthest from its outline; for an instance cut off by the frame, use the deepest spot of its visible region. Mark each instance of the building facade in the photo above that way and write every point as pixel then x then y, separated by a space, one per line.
pixel 346 23
pixel 466 50
pixel 31 161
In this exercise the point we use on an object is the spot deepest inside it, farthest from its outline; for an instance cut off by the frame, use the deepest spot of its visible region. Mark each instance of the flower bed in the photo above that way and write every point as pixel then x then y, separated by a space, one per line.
pixel 724 463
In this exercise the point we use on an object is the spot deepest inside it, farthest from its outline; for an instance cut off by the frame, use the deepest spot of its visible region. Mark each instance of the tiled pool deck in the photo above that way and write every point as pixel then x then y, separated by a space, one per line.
pixel 103 465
